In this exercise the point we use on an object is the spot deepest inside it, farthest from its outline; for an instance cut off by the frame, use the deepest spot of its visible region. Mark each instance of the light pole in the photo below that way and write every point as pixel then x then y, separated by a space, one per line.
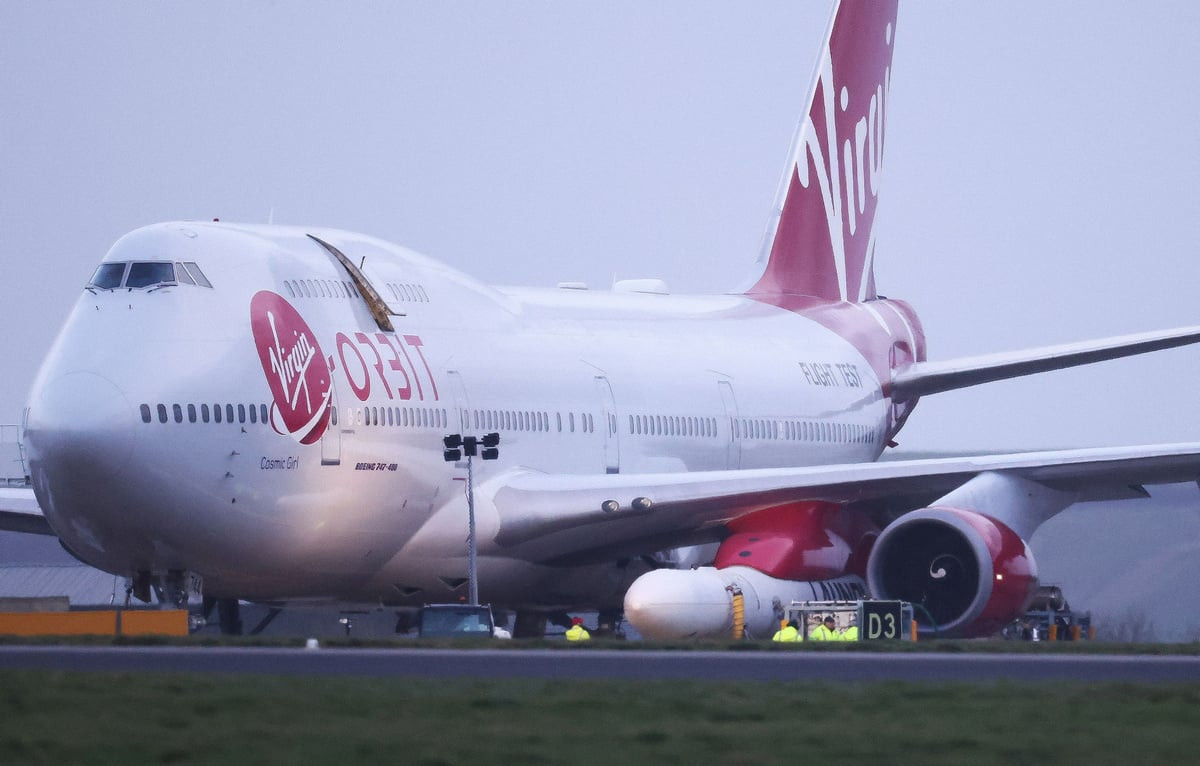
pixel 457 445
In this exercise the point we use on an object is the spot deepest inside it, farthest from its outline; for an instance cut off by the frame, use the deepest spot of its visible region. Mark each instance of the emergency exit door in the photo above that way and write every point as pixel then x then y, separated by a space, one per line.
pixel 612 444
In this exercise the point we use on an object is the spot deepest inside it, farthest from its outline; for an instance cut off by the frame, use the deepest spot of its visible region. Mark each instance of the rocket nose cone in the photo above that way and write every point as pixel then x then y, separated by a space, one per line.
pixel 80 428
pixel 674 603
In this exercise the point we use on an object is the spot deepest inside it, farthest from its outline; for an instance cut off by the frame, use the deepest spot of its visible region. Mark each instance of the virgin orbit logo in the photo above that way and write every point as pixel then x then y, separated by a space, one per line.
pixel 296 369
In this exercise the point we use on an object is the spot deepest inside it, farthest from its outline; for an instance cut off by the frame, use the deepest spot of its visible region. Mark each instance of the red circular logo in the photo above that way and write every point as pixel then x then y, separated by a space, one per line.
pixel 296 369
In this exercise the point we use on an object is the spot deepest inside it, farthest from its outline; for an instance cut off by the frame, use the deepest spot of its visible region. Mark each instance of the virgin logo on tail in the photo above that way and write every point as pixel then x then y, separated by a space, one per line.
pixel 823 243
pixel 295 368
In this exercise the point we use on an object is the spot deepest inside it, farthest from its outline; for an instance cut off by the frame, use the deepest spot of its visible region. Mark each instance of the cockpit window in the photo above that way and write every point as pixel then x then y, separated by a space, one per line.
pixel 181 275
pixel 108 276
pixel 197 274
pixel 145 274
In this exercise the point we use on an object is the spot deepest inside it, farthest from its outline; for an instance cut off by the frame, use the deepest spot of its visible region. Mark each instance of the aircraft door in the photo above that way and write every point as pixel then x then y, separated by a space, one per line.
pixel 901 356
pixel 460 417
pixel 331 440
pixel 612 445
pixel 733 447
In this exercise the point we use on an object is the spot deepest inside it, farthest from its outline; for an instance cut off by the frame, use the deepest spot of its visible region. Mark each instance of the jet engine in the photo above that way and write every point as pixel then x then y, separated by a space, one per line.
pixel 966 573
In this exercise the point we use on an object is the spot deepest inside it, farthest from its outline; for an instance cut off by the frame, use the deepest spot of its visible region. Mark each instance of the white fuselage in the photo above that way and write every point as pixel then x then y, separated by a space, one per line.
pixel 574 381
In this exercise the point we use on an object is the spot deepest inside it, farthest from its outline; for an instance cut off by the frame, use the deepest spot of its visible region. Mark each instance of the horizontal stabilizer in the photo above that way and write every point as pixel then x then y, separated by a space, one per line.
pixel 923 378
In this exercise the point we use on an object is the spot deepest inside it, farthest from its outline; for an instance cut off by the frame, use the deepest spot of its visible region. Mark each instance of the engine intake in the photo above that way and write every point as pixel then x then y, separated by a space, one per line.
pixel 967 573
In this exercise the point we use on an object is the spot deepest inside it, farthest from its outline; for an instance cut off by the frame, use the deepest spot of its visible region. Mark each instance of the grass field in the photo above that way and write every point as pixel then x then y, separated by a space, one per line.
pixel 55 718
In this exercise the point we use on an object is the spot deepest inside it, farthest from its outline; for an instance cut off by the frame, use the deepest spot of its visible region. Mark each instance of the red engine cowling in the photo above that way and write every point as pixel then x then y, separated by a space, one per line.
pixel 966 573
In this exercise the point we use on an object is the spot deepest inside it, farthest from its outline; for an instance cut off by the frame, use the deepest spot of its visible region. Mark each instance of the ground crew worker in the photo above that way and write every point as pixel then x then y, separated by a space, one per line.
pixel 850 634
pixel 789 632
pixel 577 632
pixel 826 631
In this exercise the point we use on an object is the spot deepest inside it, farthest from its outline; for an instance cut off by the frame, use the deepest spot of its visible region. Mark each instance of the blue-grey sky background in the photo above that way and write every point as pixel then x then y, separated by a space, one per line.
pixel 1039 187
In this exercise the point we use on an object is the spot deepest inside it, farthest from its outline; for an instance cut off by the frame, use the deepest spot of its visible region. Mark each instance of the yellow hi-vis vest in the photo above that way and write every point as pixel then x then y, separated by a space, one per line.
pixel 822 633
pixel 786 633
pixel 577 633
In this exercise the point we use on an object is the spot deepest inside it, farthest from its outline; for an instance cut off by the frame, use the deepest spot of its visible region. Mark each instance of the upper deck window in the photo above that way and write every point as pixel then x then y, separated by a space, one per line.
pixel 110 276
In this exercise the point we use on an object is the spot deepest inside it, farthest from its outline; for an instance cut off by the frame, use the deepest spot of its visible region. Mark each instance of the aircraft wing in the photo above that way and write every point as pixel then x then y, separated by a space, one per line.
pixel 559 517
pixel 923 378
pixel 19 512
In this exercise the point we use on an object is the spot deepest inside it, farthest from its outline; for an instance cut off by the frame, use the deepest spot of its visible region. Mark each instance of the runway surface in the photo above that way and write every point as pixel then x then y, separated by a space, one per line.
pixel 606 664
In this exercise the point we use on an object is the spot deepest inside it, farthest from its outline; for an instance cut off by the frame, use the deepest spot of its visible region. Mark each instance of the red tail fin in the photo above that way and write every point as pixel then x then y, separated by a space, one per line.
pixel 820 239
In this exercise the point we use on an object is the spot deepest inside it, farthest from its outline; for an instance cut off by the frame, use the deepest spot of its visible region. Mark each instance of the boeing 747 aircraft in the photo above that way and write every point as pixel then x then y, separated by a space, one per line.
pixel 259 410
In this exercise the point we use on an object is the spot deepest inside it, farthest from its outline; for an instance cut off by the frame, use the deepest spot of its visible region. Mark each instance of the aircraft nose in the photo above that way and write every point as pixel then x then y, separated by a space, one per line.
pixel 80 428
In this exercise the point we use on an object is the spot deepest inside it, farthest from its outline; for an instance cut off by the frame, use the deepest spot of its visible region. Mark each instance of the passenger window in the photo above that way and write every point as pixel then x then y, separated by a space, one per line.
pixel 191 413
pixel 146 413
pixel 162 413
pixel 216 413
pixel 241 413
pixel 262 414
pixel 287 284
pixel 177 411
pixel 228 413
pixel 108 276
pixel 204 412
pixel 253 414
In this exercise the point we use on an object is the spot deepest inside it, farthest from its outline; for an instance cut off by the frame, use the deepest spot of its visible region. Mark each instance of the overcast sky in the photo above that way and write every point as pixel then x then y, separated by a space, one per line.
pixel 1039 176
